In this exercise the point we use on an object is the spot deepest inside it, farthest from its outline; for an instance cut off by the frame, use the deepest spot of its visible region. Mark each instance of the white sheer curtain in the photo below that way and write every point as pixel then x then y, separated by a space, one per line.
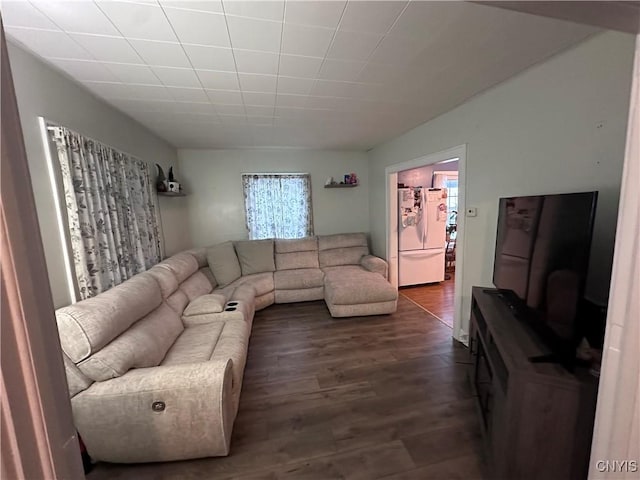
pixel 278 205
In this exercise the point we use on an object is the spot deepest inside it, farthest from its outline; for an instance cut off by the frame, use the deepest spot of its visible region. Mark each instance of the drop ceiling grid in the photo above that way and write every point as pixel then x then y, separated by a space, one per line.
pixel 310 69
pixel 122 18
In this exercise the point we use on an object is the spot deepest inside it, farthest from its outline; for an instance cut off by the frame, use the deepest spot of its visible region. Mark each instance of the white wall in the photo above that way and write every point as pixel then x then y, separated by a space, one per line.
pixel 43 91
pixel 557 127
pixel 212 180
pixel 423 176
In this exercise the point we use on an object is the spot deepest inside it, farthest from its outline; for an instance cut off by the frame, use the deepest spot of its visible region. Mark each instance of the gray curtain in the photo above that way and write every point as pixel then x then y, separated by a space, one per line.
pixel 112 219
pixel 278 205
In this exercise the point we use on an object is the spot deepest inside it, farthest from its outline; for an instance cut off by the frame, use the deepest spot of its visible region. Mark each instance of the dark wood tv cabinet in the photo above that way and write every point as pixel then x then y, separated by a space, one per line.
pixel 536 418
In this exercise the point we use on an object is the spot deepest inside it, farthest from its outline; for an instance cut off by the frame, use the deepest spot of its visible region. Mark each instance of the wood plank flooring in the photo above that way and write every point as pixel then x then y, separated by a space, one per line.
pixel 437 298
pixel 355 398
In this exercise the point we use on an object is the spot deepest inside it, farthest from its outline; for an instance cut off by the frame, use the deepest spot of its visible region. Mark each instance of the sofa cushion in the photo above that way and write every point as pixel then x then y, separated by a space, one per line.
pixel 85 327
pixel 223 263
pixel 307 244
pixel 76 380
pixel 182 265
pixel 211 303
pixel 261 282
pixel 196 285
pixel 178 300
pixel 166 279
pixel 298 279
pixel 144 344
pixel 294 260
pixel 212 341
pixel 200 254
pixel 255 256
pixel 195 344
pixel 342 249
pixel 352 285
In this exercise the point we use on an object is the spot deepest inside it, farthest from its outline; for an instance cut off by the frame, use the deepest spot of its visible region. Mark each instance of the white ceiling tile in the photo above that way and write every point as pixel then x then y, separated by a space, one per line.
pixel 330 88
pixel 192 107
pixel 371 17
pixel 133 20
pixel 230 109
pixel 177 77
pixel 353 45
pixel 47 43
pixel 290 100
pixel 149 92
pixel 425 20
pixel 182 94
pixel 257 83
pixel 249 61
pixel 233 120
pixel 24 14
pixel 250 34
pixel 263 9
pixel 324 102
pixel 212 6
pixel 259 111
pixel 128 73
pixel 210 58
pixel 299 66
pixel 306 40
pixel 396 50
pixel 317 13
pixel 83 70
pixel 115 90
pixel 77 17
pixel 107 49
pixel 218 80
pixel 379 73
pixel 199 27
pixel 255 98
pixel 161 53
pixel 340 69
pixel 298 86
pixel 225 97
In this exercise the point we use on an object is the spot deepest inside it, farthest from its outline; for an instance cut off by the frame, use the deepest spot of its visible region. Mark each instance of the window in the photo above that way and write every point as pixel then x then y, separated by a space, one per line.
pixel 108 209
pixel 449 180
pixel 278 205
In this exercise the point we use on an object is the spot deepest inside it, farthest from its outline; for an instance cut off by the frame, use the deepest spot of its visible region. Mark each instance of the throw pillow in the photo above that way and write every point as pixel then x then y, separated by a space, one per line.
pixel 223 263
pixel 255 256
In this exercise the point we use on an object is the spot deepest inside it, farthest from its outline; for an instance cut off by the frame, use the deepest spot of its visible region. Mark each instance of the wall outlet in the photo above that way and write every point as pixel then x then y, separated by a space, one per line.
pixel 472 212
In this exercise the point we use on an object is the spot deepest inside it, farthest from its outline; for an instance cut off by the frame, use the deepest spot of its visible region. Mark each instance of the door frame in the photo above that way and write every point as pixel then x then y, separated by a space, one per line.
pixel 391 194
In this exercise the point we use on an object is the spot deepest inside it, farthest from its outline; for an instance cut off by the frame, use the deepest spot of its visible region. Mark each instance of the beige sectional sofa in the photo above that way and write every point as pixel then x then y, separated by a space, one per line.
pixel 155 365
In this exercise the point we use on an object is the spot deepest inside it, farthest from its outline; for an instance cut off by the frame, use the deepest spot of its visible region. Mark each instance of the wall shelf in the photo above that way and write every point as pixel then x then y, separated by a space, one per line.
pixel 171 194
pixel 341 185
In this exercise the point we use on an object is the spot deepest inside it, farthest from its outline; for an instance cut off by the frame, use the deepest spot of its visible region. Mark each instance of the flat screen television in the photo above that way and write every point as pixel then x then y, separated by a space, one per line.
pixel 541 262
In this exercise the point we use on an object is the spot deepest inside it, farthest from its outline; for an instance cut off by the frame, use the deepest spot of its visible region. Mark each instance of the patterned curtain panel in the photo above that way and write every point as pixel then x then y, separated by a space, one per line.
pixel 278 205
pixel 111 212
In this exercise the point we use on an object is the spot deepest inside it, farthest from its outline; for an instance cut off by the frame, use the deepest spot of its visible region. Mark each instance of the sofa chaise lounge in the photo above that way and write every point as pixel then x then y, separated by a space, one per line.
pixel 155 365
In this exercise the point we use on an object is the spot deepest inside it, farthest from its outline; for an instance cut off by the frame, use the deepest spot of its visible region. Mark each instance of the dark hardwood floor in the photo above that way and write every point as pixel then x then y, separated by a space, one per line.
pixel 355 398
pixel 436 298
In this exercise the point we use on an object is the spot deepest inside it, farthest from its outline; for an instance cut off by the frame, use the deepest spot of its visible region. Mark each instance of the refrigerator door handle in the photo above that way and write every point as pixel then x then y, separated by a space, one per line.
pixel 425 216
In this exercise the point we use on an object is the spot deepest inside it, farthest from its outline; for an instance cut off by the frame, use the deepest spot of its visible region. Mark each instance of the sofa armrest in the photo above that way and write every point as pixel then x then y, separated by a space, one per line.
pixel 120 420
pixel 374 264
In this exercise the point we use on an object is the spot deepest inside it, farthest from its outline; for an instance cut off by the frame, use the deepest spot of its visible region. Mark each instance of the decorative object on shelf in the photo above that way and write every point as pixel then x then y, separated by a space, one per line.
pixel 173 186
pixel 349 180
pixel 161 185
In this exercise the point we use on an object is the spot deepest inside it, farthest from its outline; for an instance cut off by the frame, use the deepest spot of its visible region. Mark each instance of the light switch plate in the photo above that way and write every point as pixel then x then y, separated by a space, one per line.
pixel 472 211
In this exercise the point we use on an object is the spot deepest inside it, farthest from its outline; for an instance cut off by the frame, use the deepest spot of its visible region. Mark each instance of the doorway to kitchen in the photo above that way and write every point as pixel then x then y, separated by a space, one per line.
pixel 425 240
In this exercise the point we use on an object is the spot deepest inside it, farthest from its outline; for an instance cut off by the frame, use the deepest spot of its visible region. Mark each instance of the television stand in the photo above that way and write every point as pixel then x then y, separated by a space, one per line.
pixel 536 417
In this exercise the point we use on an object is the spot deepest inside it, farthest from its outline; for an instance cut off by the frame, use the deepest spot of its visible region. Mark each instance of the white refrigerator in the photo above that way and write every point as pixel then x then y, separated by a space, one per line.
pixel 422 235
